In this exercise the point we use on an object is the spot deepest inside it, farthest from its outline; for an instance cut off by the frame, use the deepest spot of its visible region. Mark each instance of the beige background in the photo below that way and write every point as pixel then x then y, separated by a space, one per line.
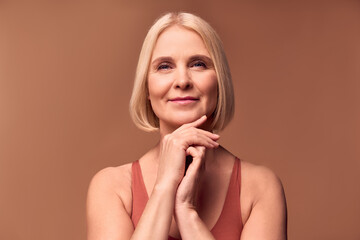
pixel 66 73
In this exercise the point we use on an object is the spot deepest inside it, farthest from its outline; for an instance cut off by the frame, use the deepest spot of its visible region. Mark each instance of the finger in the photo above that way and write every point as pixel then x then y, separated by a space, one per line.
pixel 198 156
pixel 195 123
pixel 193 132
pixel 200 141
pixel 209 134
pixel 194 138
pixel 196 152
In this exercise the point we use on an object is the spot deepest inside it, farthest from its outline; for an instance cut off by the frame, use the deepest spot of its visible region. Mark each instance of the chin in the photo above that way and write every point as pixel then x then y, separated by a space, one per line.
pixel 179 120
pixel 186 118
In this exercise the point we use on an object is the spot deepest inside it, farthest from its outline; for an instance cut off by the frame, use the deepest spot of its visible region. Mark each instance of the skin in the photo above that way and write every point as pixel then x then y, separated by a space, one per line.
pixel 181 66
pixel 184 206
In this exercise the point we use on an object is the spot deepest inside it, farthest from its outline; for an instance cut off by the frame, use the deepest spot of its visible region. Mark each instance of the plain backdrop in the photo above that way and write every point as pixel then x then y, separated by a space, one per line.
pixel 66 75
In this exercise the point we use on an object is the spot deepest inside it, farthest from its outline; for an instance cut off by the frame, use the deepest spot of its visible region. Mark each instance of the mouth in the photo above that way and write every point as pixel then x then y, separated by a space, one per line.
pixel 184 100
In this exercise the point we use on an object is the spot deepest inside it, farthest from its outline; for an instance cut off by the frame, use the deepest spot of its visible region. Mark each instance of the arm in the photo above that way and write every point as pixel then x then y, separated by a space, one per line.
pixel 189 223
pixel 108 219
pixel 173 150
pixel 191 226
pixel 268 217
pixel 156 219
pixel 106 208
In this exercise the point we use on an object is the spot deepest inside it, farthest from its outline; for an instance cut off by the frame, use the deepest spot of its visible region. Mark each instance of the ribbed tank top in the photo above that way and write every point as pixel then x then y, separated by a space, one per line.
pixel 229 224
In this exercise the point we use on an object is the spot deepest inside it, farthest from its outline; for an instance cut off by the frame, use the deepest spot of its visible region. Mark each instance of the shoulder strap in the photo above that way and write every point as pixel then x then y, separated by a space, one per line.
pixel 238 178
pixel 229 225
pixel 139 194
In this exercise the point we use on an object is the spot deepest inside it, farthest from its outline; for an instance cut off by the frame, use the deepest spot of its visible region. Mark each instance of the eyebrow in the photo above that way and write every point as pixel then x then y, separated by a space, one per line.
pixel 161 59
pixel 202 57
pixel 192 58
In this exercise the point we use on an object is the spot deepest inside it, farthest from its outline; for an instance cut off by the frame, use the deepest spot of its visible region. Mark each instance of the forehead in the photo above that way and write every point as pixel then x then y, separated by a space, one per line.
pixel 177 40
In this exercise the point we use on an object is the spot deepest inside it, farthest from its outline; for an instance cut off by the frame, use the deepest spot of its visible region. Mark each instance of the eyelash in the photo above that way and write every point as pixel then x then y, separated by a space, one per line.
pixel 163 66
pixel 166 66
pixel 203 65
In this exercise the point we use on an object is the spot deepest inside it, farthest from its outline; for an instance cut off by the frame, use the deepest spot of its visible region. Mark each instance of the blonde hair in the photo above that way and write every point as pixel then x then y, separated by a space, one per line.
pixel 140 108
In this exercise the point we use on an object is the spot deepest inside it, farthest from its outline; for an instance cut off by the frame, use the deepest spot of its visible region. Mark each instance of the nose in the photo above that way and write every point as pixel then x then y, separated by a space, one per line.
pixel 183 79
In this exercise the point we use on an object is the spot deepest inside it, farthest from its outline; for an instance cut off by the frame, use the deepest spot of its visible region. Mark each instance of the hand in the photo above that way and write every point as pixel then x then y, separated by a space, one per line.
pixel 186 195
pixel 175 146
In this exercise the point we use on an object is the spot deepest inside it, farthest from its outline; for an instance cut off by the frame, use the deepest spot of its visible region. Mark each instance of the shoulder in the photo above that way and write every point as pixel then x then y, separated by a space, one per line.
pixel 261 179
pixel 263 203
pixel 112 177
pixel 112 182
pixel 108 206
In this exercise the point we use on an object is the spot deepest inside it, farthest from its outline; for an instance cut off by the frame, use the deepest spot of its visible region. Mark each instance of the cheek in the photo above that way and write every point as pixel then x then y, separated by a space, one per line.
pixel 213 96
pixel 158 87
pixel 210 88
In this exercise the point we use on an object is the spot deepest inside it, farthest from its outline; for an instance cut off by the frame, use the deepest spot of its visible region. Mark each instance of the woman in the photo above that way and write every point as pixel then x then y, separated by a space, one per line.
pixel 183 89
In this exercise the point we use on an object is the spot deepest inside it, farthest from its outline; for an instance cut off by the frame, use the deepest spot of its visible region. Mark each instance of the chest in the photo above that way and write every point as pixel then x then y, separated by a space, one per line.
pixel 212 198
pixel 217 194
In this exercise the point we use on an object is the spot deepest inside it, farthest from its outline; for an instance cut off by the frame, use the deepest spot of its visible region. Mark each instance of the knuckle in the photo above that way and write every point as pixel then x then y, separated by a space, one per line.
pixel 166 136
pixel 175 141
pixel 197 137
pixel 171 139
pixel 192 129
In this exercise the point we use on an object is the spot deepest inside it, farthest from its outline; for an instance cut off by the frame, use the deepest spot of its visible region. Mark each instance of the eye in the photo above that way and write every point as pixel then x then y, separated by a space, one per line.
pixel 163 66
pixel 199 64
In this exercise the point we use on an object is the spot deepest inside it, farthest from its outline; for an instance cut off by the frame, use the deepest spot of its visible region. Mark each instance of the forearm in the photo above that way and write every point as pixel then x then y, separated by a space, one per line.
pixel 156 219
pixel 191 226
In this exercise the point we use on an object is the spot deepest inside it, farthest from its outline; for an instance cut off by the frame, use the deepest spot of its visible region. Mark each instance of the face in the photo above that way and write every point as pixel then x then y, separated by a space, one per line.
pixel 182 81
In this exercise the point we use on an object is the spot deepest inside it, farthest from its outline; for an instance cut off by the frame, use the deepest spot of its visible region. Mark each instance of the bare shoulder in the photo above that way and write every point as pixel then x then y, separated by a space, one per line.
pixel 108 206
pixel 113 176
pixel 261 179
pixel 113 181
pixel 263 203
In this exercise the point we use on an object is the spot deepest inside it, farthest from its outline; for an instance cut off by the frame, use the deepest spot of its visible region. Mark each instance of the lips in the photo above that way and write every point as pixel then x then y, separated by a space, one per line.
pixel 184 100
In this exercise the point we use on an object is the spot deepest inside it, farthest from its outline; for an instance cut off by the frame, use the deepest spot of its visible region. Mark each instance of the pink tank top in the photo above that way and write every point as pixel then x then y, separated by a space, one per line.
pixel 228 226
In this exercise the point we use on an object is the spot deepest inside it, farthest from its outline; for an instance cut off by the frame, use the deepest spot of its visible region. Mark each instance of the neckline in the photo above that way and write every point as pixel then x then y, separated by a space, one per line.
pixel 232 179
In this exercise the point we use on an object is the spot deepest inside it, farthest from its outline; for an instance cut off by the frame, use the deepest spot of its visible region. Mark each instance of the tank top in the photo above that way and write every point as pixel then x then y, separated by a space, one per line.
pixel 229 224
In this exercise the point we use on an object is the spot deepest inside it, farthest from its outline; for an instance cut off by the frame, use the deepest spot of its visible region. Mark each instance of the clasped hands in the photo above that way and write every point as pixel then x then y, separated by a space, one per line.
pixel 188 139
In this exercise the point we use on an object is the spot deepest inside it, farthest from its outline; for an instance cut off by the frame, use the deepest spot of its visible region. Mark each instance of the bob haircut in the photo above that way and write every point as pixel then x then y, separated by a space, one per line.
pixel 140 107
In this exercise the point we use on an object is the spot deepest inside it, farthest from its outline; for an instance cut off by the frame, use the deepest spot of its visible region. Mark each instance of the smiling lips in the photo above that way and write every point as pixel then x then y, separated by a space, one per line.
pixel 184 100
